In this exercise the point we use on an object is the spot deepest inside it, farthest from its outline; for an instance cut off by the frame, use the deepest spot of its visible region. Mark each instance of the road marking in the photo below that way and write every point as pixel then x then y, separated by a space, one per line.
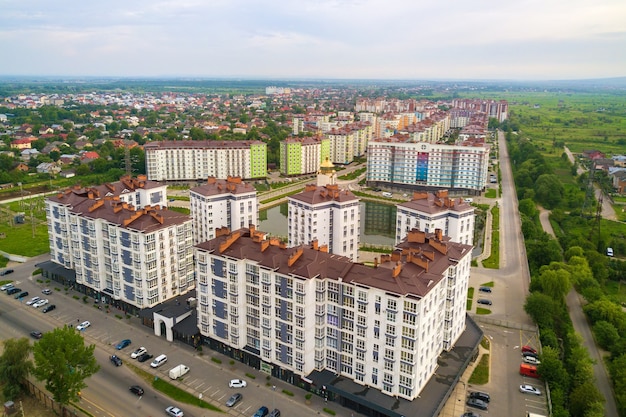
pixel 208 388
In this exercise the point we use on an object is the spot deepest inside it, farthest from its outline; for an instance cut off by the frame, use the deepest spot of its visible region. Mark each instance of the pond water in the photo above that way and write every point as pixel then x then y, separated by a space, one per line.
pixel 377 222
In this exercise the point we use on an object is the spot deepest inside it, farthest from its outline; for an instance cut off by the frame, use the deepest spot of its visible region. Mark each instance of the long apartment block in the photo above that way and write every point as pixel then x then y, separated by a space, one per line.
pixel 302 311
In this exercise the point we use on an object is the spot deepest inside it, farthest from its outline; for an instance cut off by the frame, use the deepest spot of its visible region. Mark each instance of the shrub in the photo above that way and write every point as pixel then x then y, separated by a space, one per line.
pixel 216 360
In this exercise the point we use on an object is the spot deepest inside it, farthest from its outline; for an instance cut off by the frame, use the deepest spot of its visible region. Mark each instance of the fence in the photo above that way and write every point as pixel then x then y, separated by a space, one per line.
pixel 48 402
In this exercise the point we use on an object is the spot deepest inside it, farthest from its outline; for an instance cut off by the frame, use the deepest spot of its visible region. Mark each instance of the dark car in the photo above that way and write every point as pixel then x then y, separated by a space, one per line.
pixel 484 301
pixel 21 295
pixel 36 334
pixel 6 272
pixel 136 389
pixel 234 399
pixel 261 412
pixel 470 414
pixel 530 355
pixel 13 290
pixel 116 360
pixel 121 345
pixel 484 289
pixel 483 396
pixel 476 403
pixel 144 357
pixel 49 307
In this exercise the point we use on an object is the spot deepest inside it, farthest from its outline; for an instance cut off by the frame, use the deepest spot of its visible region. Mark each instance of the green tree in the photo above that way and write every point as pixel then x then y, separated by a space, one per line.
pixel 15 366
pixel 549 190
pixel 64 362
pixel 606 334
pixel 541 308
pixel 584 398
pixel 552 370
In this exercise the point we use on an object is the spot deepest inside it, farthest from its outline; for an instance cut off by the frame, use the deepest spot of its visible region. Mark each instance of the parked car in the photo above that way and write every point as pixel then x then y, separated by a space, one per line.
pixel 6 286
pixel 274 413
pixel 6 272
pixel 261 412
pixel 483 396
pixel 174 411
pixel 530 355
pixel 136 389
pixel 40 303
pixel 470 414
pixel 13 290
pixel 36 334
pixel 146 356
pixel 46 291
pixel 32 301
pixel 49 307
pixel 476 403
pixel 83 326
pixel 527 348
pixel 234 399
pixel 138 352
pixel 121 345
pixel 116 360
pixel 529 389
pixel 237 383
pixel 531 360
pixel 484 301
pixel 485 289
pixel 21 295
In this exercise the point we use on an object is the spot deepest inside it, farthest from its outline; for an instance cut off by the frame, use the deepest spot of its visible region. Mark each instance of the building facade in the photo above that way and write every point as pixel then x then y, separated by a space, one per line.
pixel 301 156
pixel 401 162
pixel 431 211
pixel 131 257
pixel 198 160
pixel 228 203
pixel 296 312
pixel 328 215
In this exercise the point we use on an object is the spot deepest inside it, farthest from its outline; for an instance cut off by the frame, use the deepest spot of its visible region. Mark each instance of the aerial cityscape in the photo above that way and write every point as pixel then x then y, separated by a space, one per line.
pixel 240 209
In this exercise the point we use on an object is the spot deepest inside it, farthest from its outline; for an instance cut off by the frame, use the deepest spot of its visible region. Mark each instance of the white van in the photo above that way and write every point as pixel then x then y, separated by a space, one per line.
pixel 609 251
pixel 158 361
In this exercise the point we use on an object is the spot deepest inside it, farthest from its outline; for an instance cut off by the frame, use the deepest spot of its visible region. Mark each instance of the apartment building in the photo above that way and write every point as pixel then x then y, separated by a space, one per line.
pixel 131 257
pixel 303 314
pixel 398 161
pixel 301 156
pixel 328 215
pixel 198 160
pixel 217 203
pixel 436 211
pixel 349 141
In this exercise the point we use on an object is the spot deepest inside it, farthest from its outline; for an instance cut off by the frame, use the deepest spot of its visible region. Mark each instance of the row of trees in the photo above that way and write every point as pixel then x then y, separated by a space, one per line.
pixel 61 359
pixel 565 363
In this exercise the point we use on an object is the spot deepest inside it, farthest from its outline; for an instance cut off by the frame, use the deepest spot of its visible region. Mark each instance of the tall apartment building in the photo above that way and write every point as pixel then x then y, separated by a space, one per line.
pixel 198 160
pixel 328 215
pixel 397 161
pixel 131 257
pixel 300 156
pixel 304 314
pixel 217 203
pixel 349 141
pixel 436 211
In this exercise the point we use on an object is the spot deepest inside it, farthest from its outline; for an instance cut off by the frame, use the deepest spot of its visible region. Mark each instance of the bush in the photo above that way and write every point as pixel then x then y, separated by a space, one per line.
pixel 216 360
pixel 288 393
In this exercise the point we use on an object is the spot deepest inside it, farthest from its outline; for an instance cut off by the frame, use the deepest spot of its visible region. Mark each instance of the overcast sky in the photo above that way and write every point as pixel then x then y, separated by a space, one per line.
pixel 349 39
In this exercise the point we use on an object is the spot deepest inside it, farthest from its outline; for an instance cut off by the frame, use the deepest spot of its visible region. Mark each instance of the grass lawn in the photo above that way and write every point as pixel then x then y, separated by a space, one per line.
pixel 482 311
pixel 489 284
pixel 480 376
pixel 491 193
pixel 19 239
pixel 470 292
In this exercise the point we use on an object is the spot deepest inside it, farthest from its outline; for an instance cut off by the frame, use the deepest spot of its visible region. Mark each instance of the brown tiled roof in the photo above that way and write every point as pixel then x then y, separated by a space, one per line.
pixel 314 194
pixel 433 203
pixel 412 270
pixel 231 185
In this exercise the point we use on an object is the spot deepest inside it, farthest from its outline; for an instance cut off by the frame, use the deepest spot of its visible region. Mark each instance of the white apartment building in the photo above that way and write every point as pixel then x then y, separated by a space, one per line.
pixel 228 203
pixel 302 311
pixel 398 161
pixel 436 211
pixel 327 215
pixel 135 258
pixel 193 160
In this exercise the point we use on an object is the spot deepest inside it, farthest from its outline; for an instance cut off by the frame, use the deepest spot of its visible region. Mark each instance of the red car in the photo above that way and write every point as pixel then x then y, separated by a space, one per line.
pixel 529 349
